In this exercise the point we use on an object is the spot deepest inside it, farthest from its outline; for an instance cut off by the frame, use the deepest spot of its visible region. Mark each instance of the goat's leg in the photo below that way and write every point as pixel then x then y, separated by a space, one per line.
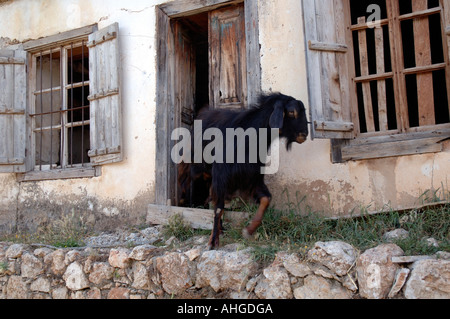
pixel 217 229
pixel 257 220
pixel 219 207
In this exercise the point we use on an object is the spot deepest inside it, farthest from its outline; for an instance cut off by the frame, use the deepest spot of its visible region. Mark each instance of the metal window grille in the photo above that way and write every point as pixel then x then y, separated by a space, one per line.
pixel 60 107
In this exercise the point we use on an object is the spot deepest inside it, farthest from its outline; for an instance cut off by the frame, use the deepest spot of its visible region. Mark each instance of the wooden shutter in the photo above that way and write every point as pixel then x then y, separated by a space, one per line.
pixel 228 58
pixel 105 102
pixel 447 23
pixel 446 6
pixel 13 90
pixel 329 57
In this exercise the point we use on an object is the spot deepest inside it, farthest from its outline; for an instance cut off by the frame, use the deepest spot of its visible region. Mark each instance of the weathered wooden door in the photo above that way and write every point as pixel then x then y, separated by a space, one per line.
pixel 185 75
pixel 228 58
pixel 185 85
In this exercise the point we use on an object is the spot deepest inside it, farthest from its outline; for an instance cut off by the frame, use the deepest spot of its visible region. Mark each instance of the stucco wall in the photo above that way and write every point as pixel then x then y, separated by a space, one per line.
pixel 124 189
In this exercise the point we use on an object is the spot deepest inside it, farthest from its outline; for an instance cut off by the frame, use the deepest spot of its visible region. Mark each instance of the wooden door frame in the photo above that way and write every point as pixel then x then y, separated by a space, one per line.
pixel 165 93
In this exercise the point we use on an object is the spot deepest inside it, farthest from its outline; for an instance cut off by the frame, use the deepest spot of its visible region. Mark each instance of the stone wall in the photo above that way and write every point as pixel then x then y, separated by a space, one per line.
pixel 329 270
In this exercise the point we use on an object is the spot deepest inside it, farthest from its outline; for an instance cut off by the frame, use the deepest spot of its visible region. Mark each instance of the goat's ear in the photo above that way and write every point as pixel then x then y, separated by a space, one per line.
pixel 276 119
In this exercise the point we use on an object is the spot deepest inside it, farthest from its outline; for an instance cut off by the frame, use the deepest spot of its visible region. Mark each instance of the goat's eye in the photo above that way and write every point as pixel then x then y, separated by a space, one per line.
pixel 291 114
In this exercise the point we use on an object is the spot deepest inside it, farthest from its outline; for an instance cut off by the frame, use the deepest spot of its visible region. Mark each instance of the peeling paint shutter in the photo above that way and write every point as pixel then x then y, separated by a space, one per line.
pixel 446 5
pixel 13 90
pixel 228 58
pixel 328 58
pixel 105 102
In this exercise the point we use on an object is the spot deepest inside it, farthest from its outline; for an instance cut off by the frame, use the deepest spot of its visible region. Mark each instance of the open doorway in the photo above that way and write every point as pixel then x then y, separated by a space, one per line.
pixel 210 72
pixel 191 65
pixel 207 57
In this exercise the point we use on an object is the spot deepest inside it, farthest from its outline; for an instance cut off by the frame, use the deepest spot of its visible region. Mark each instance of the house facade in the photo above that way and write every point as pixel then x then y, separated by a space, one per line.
pixel 90 91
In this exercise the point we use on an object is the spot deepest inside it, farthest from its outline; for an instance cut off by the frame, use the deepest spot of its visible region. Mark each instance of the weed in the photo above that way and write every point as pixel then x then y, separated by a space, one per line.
pixel 179 228
pixel 68 231
pixel 264 254
pixel 4 266
pixel 288 230
pixel 116 274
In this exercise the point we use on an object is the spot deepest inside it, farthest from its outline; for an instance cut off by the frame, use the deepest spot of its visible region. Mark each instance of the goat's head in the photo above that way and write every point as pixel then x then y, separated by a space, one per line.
pixel 290 117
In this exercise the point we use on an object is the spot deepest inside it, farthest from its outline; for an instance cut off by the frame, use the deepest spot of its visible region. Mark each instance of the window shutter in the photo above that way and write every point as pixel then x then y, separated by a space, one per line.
pixel 228 58
pixel 447 24
pixel 105 102
pixel 13 90
pixel 328 58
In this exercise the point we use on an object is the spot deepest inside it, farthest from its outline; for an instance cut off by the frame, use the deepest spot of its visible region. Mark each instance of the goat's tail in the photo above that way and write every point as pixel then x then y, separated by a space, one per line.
pixel 184 183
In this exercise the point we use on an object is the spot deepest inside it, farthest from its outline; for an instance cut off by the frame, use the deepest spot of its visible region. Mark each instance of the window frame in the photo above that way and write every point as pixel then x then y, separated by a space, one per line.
pixel 63 87
pixel 106 141
pixel 34 49
pixel 404 141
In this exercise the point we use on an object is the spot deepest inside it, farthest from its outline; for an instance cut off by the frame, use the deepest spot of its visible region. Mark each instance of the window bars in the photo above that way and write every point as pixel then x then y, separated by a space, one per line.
pixel 60 107
pixel 402 74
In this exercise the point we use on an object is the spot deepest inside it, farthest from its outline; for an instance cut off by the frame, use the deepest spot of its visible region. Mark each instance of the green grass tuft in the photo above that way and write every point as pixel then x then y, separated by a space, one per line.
pixel 293 232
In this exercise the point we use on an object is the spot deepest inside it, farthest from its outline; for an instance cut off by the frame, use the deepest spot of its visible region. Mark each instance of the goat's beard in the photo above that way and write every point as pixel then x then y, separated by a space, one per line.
pixel 289 143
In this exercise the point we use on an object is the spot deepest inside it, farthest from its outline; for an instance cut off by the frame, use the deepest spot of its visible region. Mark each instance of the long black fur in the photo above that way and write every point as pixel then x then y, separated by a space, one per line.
pixel 224 179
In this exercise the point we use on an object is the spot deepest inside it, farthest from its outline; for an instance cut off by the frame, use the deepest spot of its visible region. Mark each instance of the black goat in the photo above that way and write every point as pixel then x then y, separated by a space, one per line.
pixel 274 111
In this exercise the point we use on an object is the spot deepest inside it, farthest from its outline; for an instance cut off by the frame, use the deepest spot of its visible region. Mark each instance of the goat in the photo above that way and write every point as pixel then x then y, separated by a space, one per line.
pixel 273 111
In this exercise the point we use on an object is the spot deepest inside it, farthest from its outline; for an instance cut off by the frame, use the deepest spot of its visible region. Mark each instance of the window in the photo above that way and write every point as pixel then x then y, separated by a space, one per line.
pixel 383 88
pixel 61 110
pixel 208 54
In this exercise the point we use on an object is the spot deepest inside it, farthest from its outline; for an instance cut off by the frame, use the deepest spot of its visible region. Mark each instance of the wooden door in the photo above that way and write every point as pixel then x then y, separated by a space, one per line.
pixel 185 85
pixel 228 58
pixel 185 76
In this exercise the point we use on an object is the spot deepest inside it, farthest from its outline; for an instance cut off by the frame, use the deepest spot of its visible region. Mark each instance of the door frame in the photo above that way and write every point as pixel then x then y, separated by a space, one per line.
pixel 165 185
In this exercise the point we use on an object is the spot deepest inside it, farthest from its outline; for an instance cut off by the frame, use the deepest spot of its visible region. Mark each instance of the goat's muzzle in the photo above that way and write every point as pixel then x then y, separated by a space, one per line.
pixel 301 138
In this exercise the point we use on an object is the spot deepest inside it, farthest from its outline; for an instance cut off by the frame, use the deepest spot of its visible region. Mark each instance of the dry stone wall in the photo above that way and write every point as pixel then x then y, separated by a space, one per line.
pixel 330 270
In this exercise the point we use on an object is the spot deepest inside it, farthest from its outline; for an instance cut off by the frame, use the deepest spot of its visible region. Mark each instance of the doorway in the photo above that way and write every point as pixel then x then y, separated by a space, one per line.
pixel 203 61
pixel 191 73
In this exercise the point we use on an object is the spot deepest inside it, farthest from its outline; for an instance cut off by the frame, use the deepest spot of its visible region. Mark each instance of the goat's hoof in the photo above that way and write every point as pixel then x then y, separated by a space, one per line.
pixel 246 234
pixel 213 244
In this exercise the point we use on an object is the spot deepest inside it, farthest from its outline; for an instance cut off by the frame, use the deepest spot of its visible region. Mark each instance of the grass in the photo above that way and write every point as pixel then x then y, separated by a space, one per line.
pixel 179 228
pixel 286 230
pixel 69 231
pixel 289 231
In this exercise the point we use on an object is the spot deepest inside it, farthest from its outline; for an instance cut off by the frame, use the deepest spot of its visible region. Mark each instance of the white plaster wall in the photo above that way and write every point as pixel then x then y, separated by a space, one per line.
pixel 124 188
pixel 35 19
